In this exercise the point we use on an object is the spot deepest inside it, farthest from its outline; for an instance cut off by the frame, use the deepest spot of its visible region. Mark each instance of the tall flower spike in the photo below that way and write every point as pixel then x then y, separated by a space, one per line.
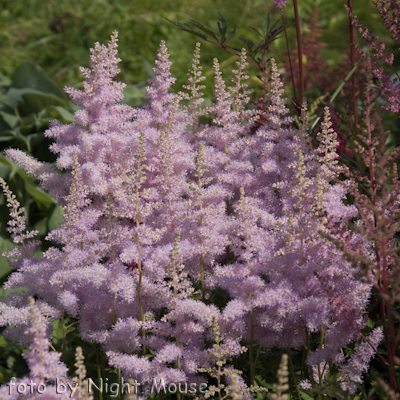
pixel 80 381
pixel 194 78
pixel 283 381
pixel 42 364
pixel 180 284
pixel 18 229
pixel 158 91
pixel 18 220
pixel 239 92
pixel 359 362
pixel 277 111
pixel 302 134
pixel 328 142
pixel 99 88
pixel 223 98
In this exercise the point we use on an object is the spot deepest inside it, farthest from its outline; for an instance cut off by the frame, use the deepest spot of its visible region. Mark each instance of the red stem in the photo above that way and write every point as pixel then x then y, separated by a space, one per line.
pixel 299 51
pixel 352 62
pixel 290 63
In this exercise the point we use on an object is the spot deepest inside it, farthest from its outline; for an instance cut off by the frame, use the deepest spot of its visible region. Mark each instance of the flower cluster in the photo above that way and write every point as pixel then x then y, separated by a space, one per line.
pixel 160 211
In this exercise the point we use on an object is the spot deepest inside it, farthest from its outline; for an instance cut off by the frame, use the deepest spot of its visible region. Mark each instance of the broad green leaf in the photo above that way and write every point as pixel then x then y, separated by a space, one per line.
pixel 134 95
pixel 370 323
pixel 305 396
pixel 57 112
pixel 4 81
pixel 41 226
pixel 40 196
pixel 15 135
pixel 262 382
pixel 6 136
pixel 33 140
pixel 31 75
pixel 5 245
pixel 56 218
pixel 10 119
pixel 4 170
pixel 30 101
pixel 5 103
pixel 14 168
pixel 149 69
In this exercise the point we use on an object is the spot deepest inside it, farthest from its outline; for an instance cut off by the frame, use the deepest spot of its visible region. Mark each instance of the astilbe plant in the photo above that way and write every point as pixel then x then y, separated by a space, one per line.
pixel 377 200
pixel 157 205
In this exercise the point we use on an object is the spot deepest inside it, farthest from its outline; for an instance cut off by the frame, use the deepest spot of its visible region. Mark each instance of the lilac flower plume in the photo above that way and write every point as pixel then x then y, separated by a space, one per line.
pixel 358 363
pixel 44 365
pixel 159 211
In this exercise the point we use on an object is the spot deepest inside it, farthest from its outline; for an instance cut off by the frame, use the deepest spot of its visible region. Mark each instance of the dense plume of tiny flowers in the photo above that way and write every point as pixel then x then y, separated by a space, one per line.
pixel 44 365
pixel 351 372
pixel 152 200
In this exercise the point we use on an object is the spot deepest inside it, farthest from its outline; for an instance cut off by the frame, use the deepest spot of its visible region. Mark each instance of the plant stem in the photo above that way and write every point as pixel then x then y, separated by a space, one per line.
pixel 300 52
pixel 99 377
pixel 290 61
pixel 251 357
pixel 289 351
pixel 119 382
pixel 353 84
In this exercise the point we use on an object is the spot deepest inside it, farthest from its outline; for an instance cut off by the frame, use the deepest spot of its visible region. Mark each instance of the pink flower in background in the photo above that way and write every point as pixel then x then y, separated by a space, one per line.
pixel 280 3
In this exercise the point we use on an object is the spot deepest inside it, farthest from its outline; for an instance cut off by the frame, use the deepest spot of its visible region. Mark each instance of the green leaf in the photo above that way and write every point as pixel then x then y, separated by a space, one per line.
pixel 57 112
pixel 29 101
pixel 16 135
pixel 7 136
pixel 221 25
pixel 31 75
pixel 266 23
pixel 134 95
pixel 333 97
pixel 204 29
pixel 56 218
pixel 33 140
pixel 187 28
pixel 248 43
pixel 10 119
pixel 41 197
pixel 149 69
pixel 256 32
pixel 231 35
pixel 13 167
pixel 262 382
pixel 305 396
pixel 5 269
pixel 370 323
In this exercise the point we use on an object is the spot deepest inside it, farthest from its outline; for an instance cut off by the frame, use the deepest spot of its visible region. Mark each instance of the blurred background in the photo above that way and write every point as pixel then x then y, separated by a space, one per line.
pixel 57 34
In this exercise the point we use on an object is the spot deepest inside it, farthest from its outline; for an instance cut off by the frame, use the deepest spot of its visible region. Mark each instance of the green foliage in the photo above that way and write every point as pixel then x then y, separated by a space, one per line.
pixel 28 101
